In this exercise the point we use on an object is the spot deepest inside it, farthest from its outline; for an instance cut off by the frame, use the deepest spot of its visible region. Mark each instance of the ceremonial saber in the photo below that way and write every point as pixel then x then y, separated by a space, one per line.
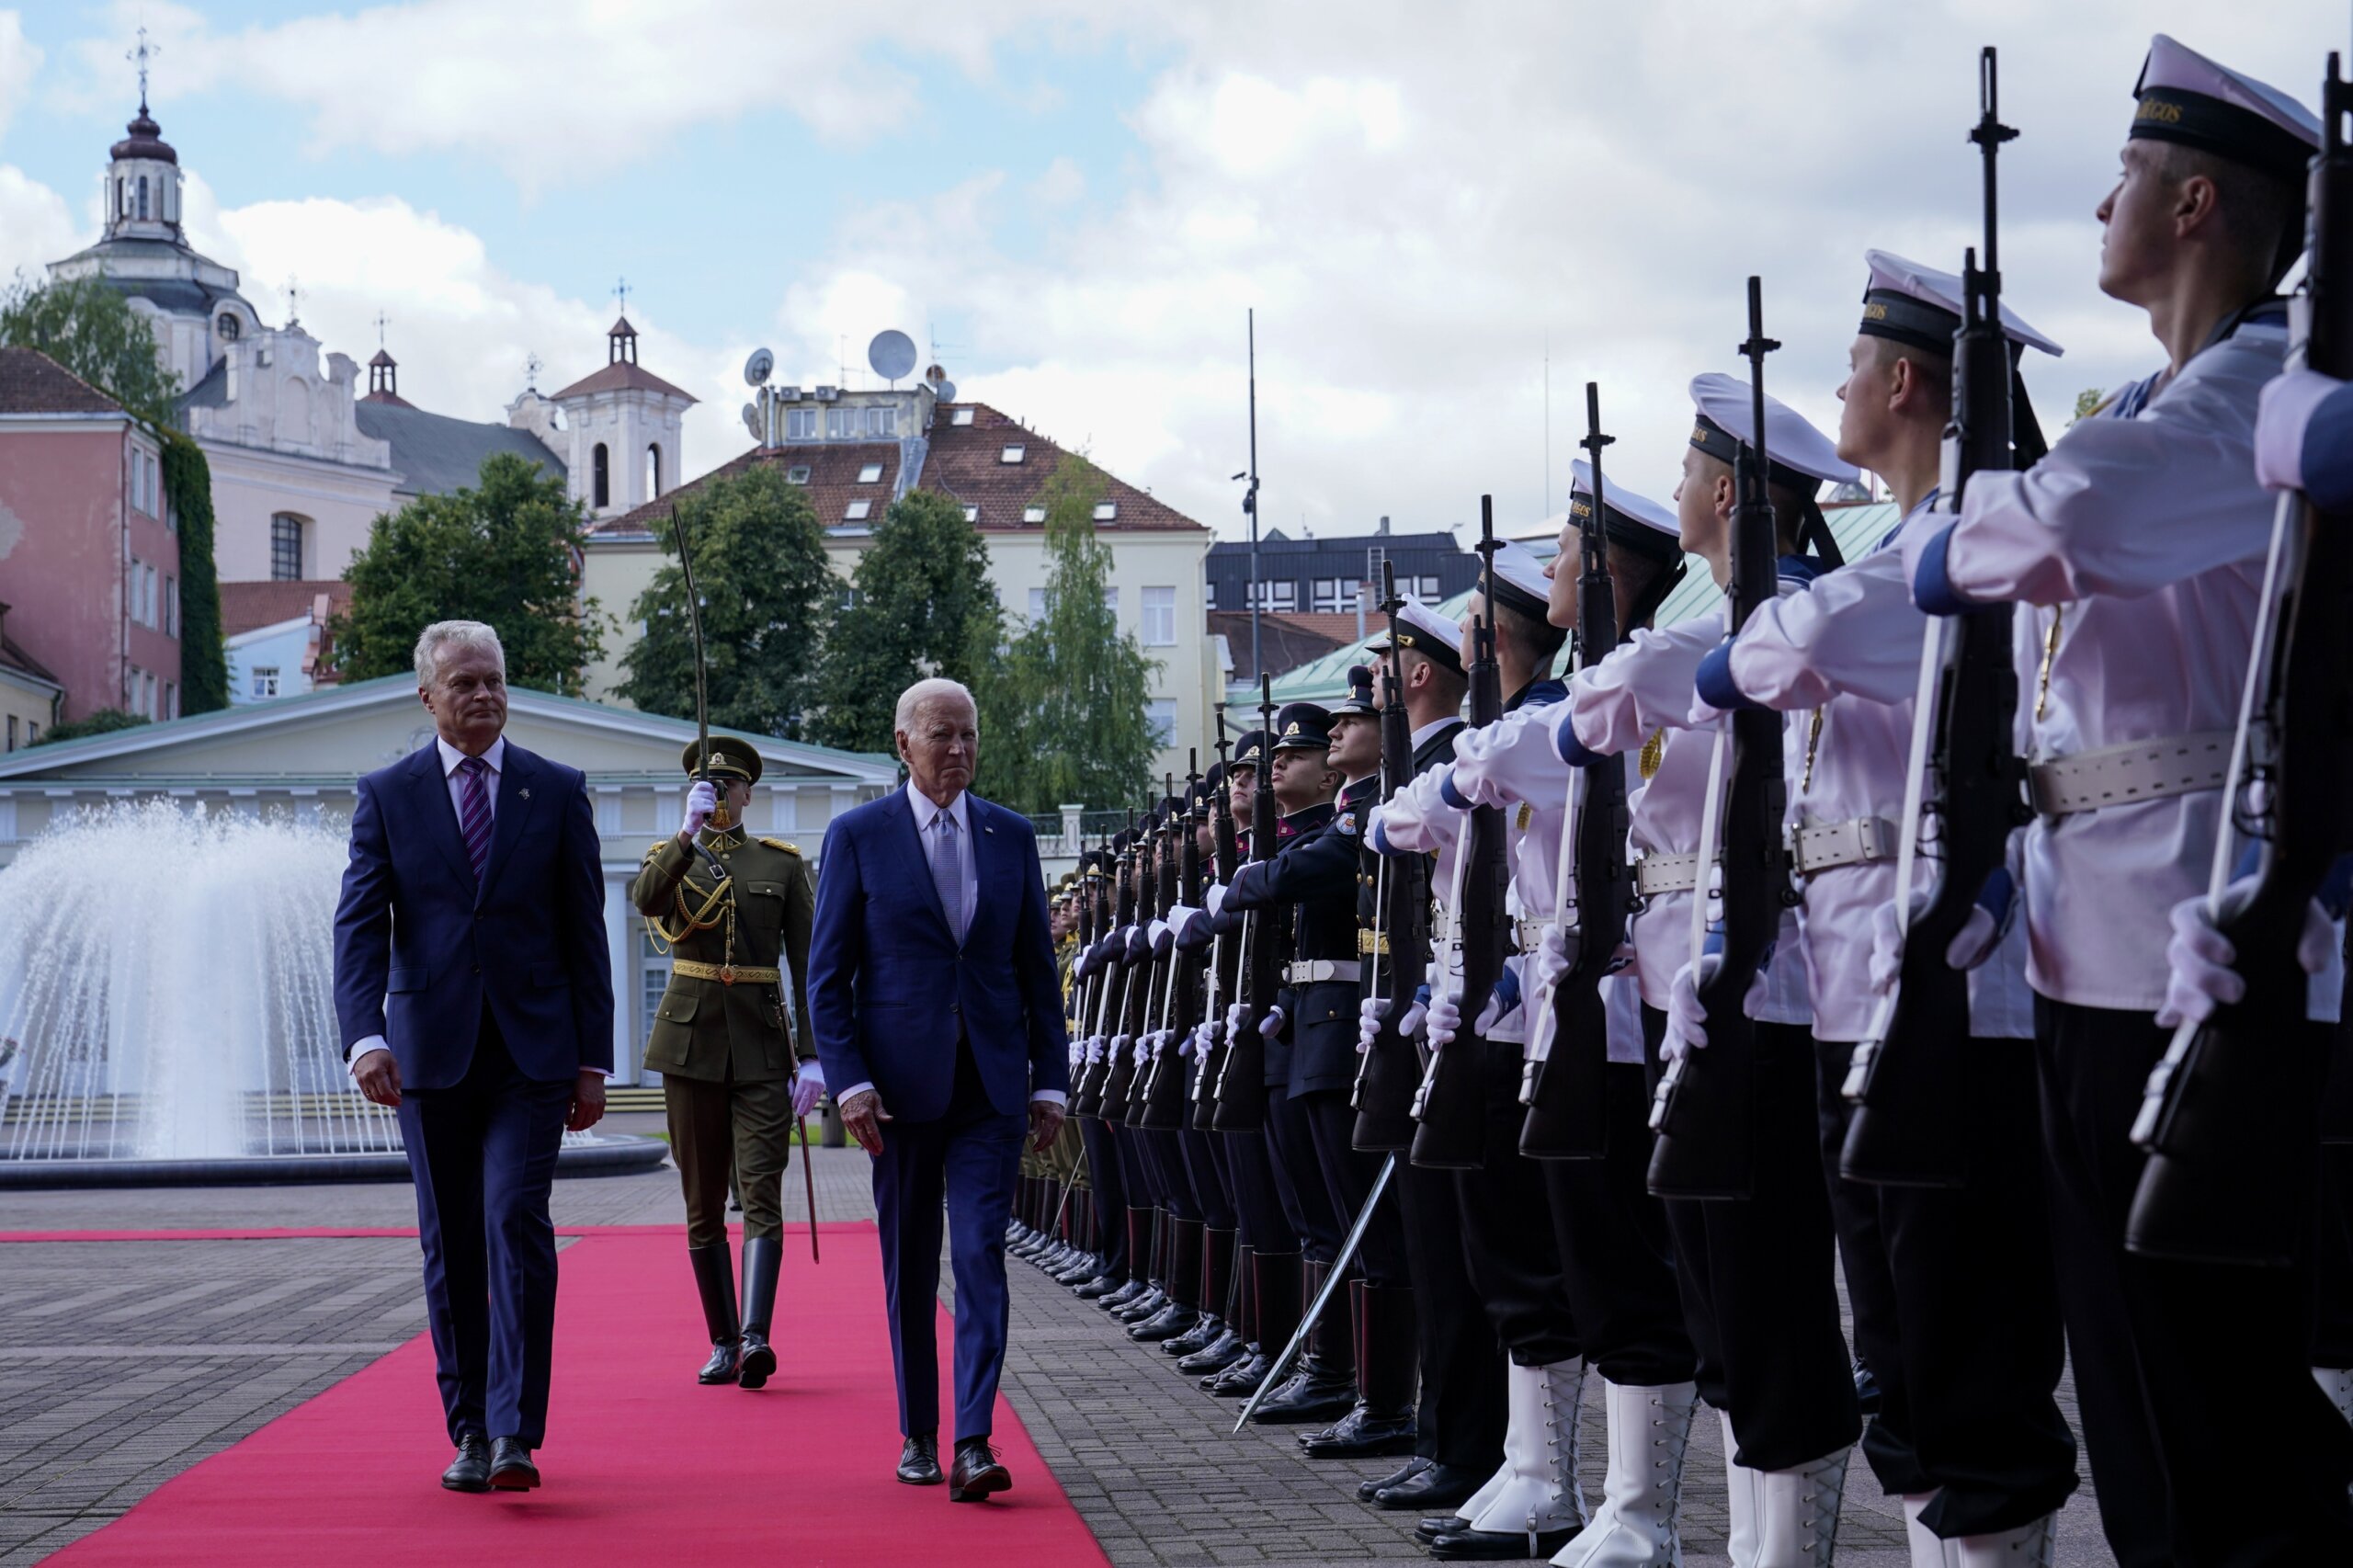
pixel 1069 1186
pixel 702 703
pixel 1332 1284
pixel 809 1179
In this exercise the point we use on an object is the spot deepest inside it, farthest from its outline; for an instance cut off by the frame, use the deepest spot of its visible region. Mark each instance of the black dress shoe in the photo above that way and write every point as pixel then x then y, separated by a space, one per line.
pixel 919 1461
pixel 1241 1380
pixel 977 1472
pixel 1429 1530
pixel 1498 1546
pixel 1206 1327
pixel 726 1363
pixel 1413 1467
pixel 1094 1290
pixel 1143 1306
pixel 1215 1357
pixel 1362 1434
pixel 1170 1320
pixel 1866 1392
pixel 511 1469
pixel 1307 1396
pixel 470 1471
pixel 1434 1486
pixel 1111 1300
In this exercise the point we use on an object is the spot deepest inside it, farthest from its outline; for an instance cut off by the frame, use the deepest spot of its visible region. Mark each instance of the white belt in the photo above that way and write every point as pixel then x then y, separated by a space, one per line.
pixel 2141 770
pixel 1655 874
pixel 1817 846
pixel 1317 971
pixel 1529 932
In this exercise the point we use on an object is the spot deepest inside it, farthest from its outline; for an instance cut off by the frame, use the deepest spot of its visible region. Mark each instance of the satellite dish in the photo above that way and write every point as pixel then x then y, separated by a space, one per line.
pixel 752 423
pixel 944 391
pixel 892 354
pixel 757 368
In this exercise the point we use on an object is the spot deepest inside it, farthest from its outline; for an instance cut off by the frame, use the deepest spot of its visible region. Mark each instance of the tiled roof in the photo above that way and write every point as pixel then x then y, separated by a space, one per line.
pixel 15 658
pixel 1287 644
pixel 247 606
pixel 621 376
pixel 32 382
pixel 832 484
pixel 967 464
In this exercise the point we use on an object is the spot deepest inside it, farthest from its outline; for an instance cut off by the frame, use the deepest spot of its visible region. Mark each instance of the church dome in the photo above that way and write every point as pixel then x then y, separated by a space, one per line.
pixel 146 141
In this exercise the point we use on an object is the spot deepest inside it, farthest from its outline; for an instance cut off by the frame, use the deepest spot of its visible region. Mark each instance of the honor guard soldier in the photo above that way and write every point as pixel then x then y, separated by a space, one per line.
pixel 735 911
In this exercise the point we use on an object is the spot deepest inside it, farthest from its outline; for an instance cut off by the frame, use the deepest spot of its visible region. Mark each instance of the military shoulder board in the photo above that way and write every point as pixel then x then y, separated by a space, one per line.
pixel 780 844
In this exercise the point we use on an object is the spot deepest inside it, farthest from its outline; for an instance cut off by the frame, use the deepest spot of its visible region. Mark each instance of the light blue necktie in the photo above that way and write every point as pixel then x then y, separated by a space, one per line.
pixel 948 873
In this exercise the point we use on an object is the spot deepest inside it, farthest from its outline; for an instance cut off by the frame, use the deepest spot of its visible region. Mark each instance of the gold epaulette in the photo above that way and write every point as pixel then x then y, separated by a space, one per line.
pixel 655 848
pixel 780 844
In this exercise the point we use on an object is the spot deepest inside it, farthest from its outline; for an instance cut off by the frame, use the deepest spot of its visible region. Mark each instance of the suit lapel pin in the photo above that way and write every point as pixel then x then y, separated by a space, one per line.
pixel 525 793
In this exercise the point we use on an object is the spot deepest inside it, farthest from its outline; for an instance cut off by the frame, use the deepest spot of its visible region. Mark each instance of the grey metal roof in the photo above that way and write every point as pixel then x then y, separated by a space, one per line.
pixel 434 455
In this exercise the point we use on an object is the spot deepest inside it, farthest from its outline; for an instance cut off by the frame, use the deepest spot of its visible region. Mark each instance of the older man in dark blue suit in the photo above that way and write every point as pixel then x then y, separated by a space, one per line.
pixel 936 1005
pixel 476 995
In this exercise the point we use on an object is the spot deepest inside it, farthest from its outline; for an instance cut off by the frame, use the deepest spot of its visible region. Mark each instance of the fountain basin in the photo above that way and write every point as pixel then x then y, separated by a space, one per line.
pixel 617 1154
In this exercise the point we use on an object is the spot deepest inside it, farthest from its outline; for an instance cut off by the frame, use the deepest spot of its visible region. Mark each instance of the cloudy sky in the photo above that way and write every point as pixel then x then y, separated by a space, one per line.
pixel 1078 200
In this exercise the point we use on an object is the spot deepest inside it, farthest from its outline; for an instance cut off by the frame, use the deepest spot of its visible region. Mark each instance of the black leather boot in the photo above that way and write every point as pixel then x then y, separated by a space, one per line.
pixel 1217 1287
pixel 1323 1386
pixel 1383 1421
pixel 762 1258
pixel 1184 1282
pixel 715 1282
pixel 1139 1262
pixel 1234 1345
pixel 1156 1270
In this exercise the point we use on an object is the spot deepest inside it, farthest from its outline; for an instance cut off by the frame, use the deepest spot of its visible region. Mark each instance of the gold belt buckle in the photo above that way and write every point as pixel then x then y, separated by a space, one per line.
pixel 727 974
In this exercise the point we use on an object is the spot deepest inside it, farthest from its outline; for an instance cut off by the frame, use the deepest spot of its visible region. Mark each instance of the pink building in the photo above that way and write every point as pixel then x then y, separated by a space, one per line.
pixel 89 557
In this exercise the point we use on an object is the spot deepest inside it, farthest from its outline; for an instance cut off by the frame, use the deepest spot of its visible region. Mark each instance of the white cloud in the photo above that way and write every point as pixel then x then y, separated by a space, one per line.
pixel 19 59
pixel 35 227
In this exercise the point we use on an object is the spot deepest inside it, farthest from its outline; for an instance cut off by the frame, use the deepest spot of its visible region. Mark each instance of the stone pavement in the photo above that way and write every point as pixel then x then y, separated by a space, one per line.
pixel 123 1363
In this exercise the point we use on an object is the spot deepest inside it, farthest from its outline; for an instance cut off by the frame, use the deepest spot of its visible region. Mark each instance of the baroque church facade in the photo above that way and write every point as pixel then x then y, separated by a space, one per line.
pixel 304 458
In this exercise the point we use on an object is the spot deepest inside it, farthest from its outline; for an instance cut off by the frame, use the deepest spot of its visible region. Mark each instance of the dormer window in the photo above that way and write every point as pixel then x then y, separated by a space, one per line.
pixel 961 416
pixel 871 474
pixel 1011 454
pixel 972 514
pixel 797 475
pixel 227 327
pixel 1033 513
pixel 857 511
pixel 1105 511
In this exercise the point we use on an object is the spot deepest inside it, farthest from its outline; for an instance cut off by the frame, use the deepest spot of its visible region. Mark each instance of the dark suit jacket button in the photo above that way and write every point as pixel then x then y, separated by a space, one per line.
pixel 477 969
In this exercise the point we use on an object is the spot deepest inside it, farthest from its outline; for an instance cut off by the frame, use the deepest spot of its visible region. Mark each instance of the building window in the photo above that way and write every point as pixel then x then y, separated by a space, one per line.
pixel 32 737
pixel 227 327
pixel 972 513
pixel 265 682
pixel 1105 511
pixel 1209 595
pixel 171 606
pixel 797 475
pixel 1281 596
pixel 171 701
pixel 1033 513
pixel 1011 454
pixel 1160 718
pixel 143 196
pixel 12 732
pixel 871 473
pixel 1111 599
pixel 1159 618
pixel 1334 596
pixel 286 546
pixel 961 416
pixel 1037 604
pixel 800 424
pixel 848 597
pixel 857 511
pixel 653 471
pixel 600 494
pixel 882 421
pixel 841 424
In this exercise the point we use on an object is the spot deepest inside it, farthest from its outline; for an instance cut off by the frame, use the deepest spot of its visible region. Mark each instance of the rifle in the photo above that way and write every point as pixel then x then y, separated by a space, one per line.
pixel 1117 982
pixel 2224 1116
pixel 1966 775
pixel 1451 1106
pixel 1224 956
pixel 1704 1111
pixel 1563 1082
pixel 1088 1098
pixel 1164 1099
pixel 1157 968
pixel 1390 1069
pixel 1118 1082
pixel 1241 1085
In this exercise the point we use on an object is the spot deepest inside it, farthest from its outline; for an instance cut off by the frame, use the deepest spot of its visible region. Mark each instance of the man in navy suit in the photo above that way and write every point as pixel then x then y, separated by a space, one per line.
pixel 936 1005
pixel 476 997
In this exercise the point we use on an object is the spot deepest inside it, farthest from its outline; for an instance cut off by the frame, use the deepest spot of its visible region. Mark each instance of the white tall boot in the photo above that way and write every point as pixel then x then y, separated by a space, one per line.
pixel 1928 1549
pixel 2337 1383
pixel 1649 1430
pixel 1541 1496
pixel 1741 1500
pixel 2028 1546
pixel 1796 1517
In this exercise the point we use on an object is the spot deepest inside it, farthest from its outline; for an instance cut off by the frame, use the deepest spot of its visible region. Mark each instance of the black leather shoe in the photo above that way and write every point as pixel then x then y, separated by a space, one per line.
pixel 1308 1397
pixel 977 1472
pixel 1867 1395
pixel 1143 1306
pixel 1435 1486
pixel 1215 1357
pixel 726 1363
pixel 1241 1380
pixel 470 1471
pixel 1429 1530
pixel 1113 1300
pixel 919 1461
pixel 1367 1491
pixel 1498 1546
pixel 511 1469
pixel 1362 1434
pixel 1170 1320
pixel 1094 1290
pixel 1081 1267
pixel 1205 1329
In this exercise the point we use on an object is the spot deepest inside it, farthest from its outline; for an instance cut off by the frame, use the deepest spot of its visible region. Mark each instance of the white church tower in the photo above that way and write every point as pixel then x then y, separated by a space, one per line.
pixel 622 425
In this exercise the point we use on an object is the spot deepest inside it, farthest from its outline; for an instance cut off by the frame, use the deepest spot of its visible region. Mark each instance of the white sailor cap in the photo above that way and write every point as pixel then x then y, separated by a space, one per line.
pixel 1909 303
pixel 1797 455
pixel 1437 637
pixel 1637 522
pixel 1520 579
pixel 2187 98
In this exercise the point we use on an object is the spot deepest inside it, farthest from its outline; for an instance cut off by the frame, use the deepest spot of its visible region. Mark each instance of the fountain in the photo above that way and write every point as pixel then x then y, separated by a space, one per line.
pixel 168 1010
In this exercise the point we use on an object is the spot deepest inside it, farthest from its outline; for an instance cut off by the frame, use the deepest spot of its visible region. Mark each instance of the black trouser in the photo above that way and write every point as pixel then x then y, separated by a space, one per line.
pixel 1109 1185
pixel 1615 1259
pixel 1213 1194
pixel 2332 1335
pixel 1756 1276
pixel 1463 1412
pixel 1507 1222
pixel 1966 1343
pixel 1348 1175
pixel 1298 1181
pixel 2209 1441
pixel 1167 1157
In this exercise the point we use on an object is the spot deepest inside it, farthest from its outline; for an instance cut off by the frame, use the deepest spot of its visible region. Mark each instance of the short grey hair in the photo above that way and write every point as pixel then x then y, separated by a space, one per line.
pixel 441 633
pixel 924 693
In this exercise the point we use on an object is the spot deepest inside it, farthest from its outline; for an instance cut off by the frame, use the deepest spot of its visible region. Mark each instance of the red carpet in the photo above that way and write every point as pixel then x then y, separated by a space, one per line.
pixel 643 1466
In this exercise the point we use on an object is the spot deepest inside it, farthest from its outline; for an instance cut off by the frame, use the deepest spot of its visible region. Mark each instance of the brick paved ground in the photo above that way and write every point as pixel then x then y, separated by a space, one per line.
pixel 122 1364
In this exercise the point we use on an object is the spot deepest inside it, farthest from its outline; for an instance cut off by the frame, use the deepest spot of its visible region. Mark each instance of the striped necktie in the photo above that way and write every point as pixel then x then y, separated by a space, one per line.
pixel 474 811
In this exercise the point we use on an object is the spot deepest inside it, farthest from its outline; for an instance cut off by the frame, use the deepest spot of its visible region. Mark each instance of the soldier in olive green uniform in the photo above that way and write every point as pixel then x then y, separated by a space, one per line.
pixel 736 912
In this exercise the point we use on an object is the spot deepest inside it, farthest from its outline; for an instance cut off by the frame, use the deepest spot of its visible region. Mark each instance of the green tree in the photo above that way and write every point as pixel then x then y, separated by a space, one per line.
pixel 925 606
pixel 1062 712
pixel 105 721
pixel 504 552
pixel 204 663
pixel 91 330
pixel 760 569
pixel 2087 400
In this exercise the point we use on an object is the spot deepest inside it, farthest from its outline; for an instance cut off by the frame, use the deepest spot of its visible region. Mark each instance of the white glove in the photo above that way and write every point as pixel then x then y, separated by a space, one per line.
pixel 1685 1018
pixel 1970 947
pixel 1215 897
pixel 1443 1021
pixel 1190 1046
pixel 808 1087
pixel 1555 955
pixel 1118 1048
pixel 1233 1020
pixel 1144 1048
pixel 2200 958
pixel 1094 1048
pixel 1370 1012
pixel 2286 412
pixel 1272 1023
pixel 701 801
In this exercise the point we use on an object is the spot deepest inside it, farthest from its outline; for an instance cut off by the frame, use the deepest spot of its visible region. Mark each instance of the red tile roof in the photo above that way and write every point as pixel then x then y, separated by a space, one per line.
pixel 831 481
pixel 247 607
pixel 32 382
pixel 621 376
pixel 1288 643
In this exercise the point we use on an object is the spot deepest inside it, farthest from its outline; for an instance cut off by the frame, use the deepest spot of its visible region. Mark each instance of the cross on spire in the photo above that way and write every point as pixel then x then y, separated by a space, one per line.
pixel 533 366
pixel 293 300
pixel 620 295
pixel 144 53
pixel 382 321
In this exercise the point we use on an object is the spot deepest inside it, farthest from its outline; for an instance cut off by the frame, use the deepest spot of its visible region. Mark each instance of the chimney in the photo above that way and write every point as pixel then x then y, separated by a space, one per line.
pixel 1384 524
